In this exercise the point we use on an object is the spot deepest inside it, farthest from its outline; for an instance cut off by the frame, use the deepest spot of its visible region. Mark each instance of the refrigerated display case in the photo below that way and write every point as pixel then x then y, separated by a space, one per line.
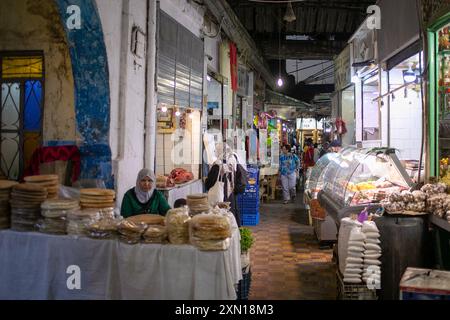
pixel 360 178
pixel 314 180
pixel 324 226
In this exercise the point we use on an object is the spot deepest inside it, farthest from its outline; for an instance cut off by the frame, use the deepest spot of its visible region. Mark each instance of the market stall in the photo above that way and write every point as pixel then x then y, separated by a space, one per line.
pixel 79 248
pixel 360 178
pixel 178 185
pixel 438 151
pixel 178 156
pixel 35 266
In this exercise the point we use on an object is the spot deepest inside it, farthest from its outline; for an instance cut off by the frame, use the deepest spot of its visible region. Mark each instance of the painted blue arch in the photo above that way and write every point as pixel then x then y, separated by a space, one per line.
pixel 92 93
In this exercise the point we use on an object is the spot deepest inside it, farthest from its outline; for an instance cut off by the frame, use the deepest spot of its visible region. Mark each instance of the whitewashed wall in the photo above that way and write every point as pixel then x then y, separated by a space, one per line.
pixel 127 83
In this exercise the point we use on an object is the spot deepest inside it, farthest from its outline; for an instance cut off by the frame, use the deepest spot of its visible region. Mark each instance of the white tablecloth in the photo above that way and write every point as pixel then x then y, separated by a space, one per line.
pixel 34 265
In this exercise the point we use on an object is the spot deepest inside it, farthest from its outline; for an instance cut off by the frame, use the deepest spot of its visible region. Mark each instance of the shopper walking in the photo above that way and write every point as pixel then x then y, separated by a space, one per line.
pixel 325 149
pixel 316 152
pixel 289 164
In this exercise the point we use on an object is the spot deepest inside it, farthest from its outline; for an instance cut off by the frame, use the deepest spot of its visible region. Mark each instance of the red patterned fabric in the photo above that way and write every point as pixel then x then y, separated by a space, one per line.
pixel 50 154
pixel 234 67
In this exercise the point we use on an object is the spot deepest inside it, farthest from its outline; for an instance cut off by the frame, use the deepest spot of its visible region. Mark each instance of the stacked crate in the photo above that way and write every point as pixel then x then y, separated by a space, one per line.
pixel 248 202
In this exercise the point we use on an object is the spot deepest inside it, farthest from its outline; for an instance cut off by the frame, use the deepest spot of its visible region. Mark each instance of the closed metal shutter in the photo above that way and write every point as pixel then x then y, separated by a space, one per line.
pixel 196 80
pixel 167 50
pixel 180 64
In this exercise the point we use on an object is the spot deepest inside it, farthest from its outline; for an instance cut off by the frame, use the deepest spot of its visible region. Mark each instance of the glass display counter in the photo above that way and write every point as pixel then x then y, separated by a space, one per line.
pixel 359 178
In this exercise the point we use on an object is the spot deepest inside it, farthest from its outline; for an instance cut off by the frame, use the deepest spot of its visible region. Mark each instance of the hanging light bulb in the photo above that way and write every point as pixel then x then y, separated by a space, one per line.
pixel 177 113
pixel 280 82
pixel 164 109
pixel 409 75
pixel 289 16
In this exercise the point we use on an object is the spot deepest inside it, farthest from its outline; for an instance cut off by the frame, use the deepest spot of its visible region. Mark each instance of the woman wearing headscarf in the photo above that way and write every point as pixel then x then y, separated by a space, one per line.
pixel 144 198
pixel 233 171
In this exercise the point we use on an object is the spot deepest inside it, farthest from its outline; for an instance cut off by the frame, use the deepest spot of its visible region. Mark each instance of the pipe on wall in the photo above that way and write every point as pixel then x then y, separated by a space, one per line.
pixel 122 86
pixel 150 95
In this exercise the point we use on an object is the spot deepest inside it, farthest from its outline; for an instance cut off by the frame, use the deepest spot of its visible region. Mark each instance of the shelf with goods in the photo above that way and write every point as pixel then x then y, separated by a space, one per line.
pixel 439 97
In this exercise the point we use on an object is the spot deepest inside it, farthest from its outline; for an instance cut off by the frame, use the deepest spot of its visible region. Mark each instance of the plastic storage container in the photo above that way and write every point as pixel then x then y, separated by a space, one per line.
pixel 405 242
pixel 249 219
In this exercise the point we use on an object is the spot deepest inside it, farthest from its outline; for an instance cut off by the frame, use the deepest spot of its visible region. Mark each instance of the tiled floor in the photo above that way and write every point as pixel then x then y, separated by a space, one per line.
pixel 286 261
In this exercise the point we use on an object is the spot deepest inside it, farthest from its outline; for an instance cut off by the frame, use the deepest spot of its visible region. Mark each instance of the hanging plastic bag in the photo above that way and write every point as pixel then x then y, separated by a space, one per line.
pixel 216 194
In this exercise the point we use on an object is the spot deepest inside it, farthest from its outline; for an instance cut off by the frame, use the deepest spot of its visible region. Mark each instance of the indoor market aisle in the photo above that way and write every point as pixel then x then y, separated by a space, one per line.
pixel 286 261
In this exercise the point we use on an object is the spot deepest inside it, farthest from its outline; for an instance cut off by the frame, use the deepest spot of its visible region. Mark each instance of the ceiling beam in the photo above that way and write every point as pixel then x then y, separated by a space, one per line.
pixel 357 6
pixel 301 50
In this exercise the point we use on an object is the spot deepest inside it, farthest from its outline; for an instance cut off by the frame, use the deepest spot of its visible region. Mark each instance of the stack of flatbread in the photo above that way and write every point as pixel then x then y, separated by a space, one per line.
pixel 198 203
pixel 97 198
pixel 26 199
pixel 55 213
pixel 5 194
pixel 131 232
pixel 155 234
pixel 177 222
pixel 104 228
pixel 156 231
pixel 48 181
pixel 78 220
pixel 210 232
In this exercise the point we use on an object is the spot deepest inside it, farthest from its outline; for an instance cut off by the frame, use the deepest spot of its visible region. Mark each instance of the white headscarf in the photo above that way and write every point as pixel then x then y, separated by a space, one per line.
pixel 144 196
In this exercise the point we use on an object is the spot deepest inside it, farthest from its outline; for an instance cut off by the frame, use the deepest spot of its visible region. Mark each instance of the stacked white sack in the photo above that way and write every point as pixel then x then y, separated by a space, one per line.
pixel 355 254
pixel 346 226
pixel 372 254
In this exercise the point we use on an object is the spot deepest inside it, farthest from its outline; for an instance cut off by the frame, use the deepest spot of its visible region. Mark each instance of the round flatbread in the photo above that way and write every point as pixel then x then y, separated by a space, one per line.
pixel 97 205
pixel 42 178
pixel 7 184
pixel 29 187
pixel 98 192
pixel 96 200
pixel 59 204
pixel 48 185
pixel 197 196
pixel 52 189
pixel 22 196
pixel 22 204
pixel 150 219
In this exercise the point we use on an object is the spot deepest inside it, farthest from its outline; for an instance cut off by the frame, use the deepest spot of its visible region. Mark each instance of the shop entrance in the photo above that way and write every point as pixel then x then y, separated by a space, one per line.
pixel 21 96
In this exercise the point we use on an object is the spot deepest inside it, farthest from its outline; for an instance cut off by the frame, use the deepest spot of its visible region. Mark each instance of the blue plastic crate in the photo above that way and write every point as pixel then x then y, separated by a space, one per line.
pixel 250 219
pixel 252 188
pixel 248 204
pixel 248 196
pixel 254 193
pixel 253 176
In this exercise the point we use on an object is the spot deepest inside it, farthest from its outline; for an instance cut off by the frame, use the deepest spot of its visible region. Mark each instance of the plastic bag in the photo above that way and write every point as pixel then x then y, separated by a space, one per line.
pixel 177 223
pixel 216 194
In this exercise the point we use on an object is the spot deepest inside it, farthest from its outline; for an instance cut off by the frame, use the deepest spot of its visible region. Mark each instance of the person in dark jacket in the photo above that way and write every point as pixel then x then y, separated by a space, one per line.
pixel 232 172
